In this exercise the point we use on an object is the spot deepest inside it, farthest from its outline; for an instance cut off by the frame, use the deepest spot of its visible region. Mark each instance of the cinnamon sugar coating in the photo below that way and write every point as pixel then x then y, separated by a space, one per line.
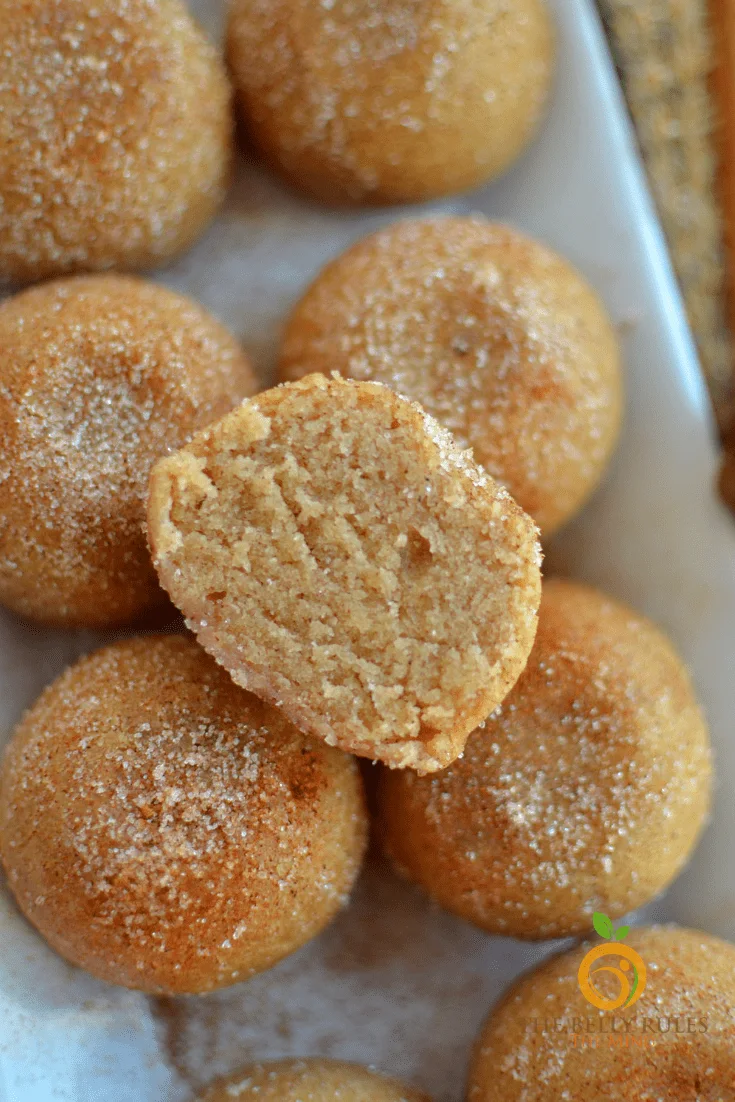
pixel 390 101
pixel 545 1042
pixel 495 335
pixel 99 376
pixel 311 1081
pixel 337 553
pixel 167 831
pixel 586 790
pixel 116 135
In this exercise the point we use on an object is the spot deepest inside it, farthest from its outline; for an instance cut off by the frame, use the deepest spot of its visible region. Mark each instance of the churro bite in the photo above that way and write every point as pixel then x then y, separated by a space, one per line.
pixel 100 375
pixel 311 1081
pixel 116 134
pixel 494 334
pixel 656 1021
pixel 586 790
pixel 166 830
pixel 394 102
pixel 337 553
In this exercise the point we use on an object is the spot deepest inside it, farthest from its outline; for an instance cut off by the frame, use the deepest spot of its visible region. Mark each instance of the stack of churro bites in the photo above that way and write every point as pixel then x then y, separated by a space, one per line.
pixel 356 552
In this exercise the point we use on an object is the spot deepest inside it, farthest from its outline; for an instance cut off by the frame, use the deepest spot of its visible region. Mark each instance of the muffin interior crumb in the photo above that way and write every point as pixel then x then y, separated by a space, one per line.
pixel 341 557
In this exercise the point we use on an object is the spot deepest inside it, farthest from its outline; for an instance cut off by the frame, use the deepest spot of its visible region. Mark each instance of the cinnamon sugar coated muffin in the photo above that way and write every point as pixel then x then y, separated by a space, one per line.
pixel 546 1042
pixel 100 375
pixel 116 134
pixel 495 335
pixel 585 791
pixel 311 1081
pixel 390 101
pixel 166 830
pixel 334 550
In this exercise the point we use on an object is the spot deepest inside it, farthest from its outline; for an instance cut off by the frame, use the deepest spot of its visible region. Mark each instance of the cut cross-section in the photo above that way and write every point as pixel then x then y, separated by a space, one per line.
pixel 343 559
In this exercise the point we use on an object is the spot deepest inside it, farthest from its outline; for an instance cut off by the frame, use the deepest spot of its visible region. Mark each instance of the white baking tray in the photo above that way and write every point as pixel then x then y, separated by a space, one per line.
pixel 394 982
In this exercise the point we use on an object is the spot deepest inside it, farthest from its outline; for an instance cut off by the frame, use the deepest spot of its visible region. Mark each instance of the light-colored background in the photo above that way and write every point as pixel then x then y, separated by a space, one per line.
pixel 394 982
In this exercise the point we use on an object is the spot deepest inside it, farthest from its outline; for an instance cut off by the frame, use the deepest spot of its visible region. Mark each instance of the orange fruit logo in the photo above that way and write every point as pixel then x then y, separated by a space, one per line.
pixel 629 971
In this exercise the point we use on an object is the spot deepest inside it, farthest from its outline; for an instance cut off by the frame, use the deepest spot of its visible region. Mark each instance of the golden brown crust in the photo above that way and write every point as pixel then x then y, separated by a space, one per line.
pixel 116 134
pixel 169 832
pixel 545 1042
pixel 492 333
pixel 393 102
pixel 585 791
pixel 312 1080
pixel 339 556
pixel 101 375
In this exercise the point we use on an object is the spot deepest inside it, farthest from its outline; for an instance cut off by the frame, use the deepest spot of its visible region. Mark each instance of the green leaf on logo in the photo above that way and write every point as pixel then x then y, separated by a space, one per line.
pixel 621 932
pixel 602 924
pixel 633 987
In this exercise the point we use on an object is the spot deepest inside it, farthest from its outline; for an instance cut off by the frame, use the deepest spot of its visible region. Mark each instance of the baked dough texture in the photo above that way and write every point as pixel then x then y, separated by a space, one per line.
pixel 395 101
pixel 494 334
pixel 166 830
pixel 311 1081
pixel 545 1042
pixel 115 131
pixel 586 790
pixel 99 377
pixel 335 551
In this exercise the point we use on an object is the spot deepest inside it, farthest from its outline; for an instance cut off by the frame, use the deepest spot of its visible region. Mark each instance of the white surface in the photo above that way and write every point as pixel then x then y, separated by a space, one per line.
pixel 395 982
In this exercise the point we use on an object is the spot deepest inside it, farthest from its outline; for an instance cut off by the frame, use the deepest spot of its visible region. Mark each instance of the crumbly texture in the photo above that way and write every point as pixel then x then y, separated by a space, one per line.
pixel 336 552
pixel 495 335
pixel 390 101
pixel 166 830
pixel 99 377
pixel 116 134
pixel 585 791
pixel 527 1052
pixel 311 1081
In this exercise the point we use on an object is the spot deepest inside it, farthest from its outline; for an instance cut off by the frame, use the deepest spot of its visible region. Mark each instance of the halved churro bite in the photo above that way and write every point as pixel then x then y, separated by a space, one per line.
pixel 343 559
